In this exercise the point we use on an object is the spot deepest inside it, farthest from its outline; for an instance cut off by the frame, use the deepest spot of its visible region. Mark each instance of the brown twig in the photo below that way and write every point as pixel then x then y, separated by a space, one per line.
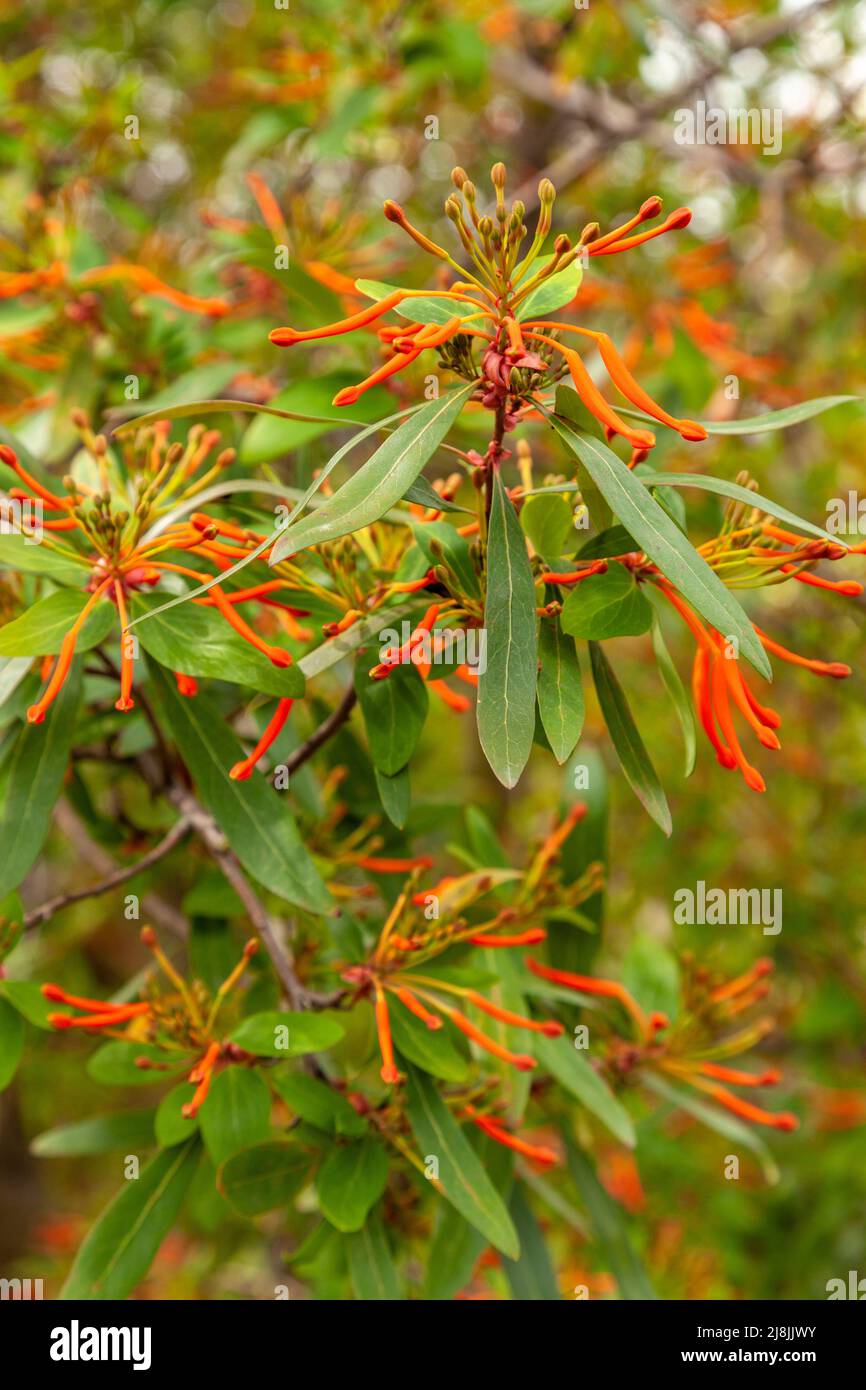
pixel 326 729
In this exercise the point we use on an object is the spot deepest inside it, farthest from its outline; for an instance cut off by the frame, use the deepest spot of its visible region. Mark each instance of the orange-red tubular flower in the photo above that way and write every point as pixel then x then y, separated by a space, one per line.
pixel 783 1120
pixel 389 1073
pixel 202 1074
pixel 519 1060
pixel 36 713
pixel 550 1027
pixel 243 769
pixel 609 989
pixel 287 337
pixel 537 1153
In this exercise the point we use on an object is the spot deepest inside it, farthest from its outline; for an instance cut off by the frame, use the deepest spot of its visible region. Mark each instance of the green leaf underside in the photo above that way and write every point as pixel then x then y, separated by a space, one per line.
pixel 19 553
pixel 199 642
pixel 627 742
pixel 607 605
pixel 721 1121
pixel 350 1181
pixel 380 482
pixel 371 1264
pixel 722 488
pixel 254 818
pixel 394 712
pixel 551 294
pixel 505 708
pixel 762 424
pixel 574 1072
pixel 41 629
pixel 236 1113
pixel 609 1228
pixel 275 1034
pixel 663 542
pixel 128 1130
pixel 560 690
pixel 119 1249
pixel 679 698
pixel 431 1049
pixel 35 773
pixel 462 1177
pixel 425 309
pixel 264 1176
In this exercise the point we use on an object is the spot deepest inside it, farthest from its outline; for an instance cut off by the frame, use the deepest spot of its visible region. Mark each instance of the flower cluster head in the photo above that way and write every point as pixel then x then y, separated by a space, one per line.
pixel 181 1021
pixel 716 1023
pixel 501 305
pixel 411 939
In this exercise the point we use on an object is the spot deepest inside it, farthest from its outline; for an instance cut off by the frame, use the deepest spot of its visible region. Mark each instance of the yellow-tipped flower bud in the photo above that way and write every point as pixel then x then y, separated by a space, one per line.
pixel 546 193
pixel 459 176
pixel 498 175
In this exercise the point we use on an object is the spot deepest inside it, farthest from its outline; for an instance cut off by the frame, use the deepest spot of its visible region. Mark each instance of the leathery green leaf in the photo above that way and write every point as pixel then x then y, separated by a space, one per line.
pixel 505 708
pixel 461 1176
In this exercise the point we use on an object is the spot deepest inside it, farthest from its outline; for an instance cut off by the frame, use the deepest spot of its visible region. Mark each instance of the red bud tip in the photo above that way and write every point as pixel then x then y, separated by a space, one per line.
pixel 770 1077
pixel 347 396
pixel 52 992
pixel 651 208
pixel 148 937
pixel 680 217
pixel 692 431
pixel 60 1020
pixel 283 337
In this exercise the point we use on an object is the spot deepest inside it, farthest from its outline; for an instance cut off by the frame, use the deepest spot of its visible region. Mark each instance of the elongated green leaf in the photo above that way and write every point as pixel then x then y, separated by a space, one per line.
pixel 41 630
pixel 531 1278
pixel 679 699
pixel 235 484
pixel 394 712
pixel 274 1034
pixel 35 772
pixel 663 542
pixel 119 1249
pixel 11 1042
pixel 423 309
pixel 607 605
pixel 171 1126
pixel 573 1071
pixel 189 409
pixel 114 1064
pixel 430 1049
pixel 199 642
pixel 639 771
pixel 505 708
pixel 236 1113
pixel 740 494
pixel 253 816
pixel 371 1264
pixel 264 1176
pixel 551 294
pixel 771 420
pixel 608 1225
pixel 714 1118
pixel 127 1130
pixel 350 1181
pixel 19 553
pixel 560 689
pixel 317 1102
pixel 381 481
pixel 442 543
pixel 329 653
pixel 462 1178
pixel 270 437
pixel 547 520
pixel 395 794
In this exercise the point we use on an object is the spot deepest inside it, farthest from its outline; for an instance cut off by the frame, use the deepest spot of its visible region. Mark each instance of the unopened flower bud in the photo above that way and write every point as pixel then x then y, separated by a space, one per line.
pixel 459 176
pixel 546 193
pixel 498 175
